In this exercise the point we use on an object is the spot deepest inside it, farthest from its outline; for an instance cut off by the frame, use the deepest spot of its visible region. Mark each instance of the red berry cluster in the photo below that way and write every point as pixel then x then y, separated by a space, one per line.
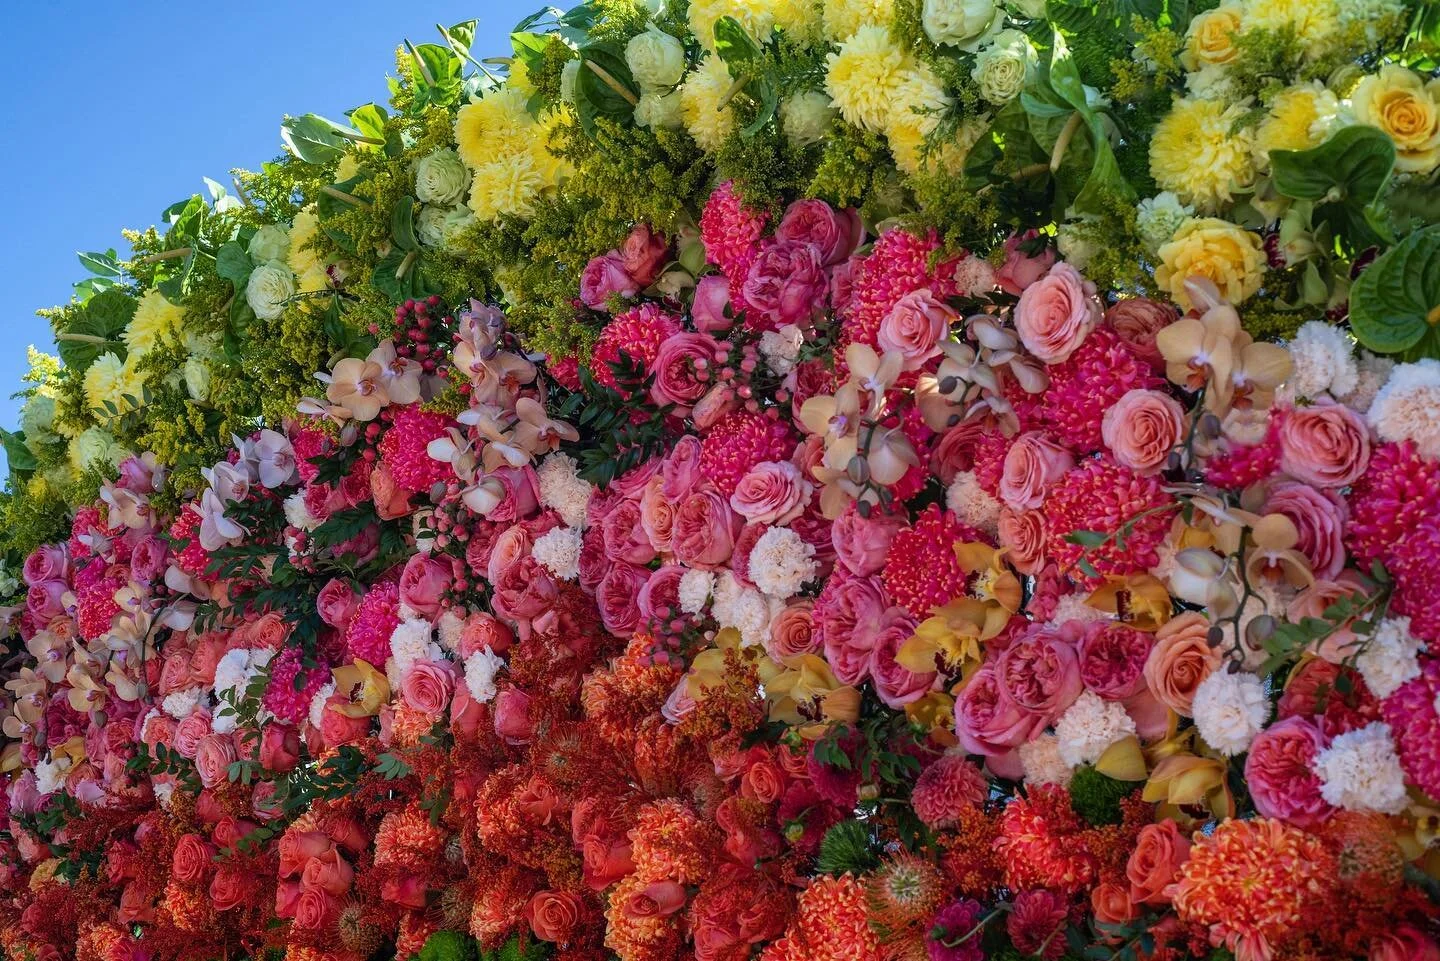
pixel 422 332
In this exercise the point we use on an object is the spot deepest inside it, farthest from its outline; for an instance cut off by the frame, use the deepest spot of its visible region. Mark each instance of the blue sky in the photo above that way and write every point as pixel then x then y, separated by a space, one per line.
pixel 117 109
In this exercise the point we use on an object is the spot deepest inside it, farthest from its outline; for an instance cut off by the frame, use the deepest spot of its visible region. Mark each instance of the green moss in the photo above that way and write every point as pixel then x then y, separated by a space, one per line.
pixel 1096 797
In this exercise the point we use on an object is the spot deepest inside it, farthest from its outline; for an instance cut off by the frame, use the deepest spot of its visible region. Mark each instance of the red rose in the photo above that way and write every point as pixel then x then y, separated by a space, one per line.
pixel 192 858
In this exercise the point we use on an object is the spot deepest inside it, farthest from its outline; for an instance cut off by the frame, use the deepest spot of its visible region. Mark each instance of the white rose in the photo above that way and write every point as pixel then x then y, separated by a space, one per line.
pixel 1002 68
pixel 1160 216
pixel 270 286
pixel 269 243
pixel 1074 245
pixel 441 178
pixel 806 116
pixel 962 23
pixel 430 226
pixel 37 420
pixel 197 378
pixel 655 58
pixel 656 110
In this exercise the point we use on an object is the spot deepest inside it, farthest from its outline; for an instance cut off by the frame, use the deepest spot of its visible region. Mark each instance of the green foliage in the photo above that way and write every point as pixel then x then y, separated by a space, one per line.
pixel 1395 304
pixel 1096 797
pixel 848 846
pixel 447 946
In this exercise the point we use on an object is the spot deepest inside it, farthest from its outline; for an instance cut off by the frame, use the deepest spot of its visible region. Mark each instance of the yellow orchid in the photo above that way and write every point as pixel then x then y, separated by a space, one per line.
pixel 1185 780
pixel 367 689
pixel 950 640
pixel 809 697
pixel 995 582
pixel 934 713
pixel 708 668
pixel 1138 600
pixel 1124 760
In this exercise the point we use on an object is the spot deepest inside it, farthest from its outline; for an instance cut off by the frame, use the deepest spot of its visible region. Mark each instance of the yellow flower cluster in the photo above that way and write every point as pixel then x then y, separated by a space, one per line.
pixel 155 319
pixel 1196 152
pixel 507 151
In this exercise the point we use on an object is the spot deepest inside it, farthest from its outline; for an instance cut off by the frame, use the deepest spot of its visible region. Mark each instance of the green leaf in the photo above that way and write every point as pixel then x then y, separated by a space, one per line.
pixel 1087 538
pixel 402 224
pixel 1396 300
pixel 1105 179
pixel 1344 176
pixel 529 49
pixel 96 329
pixel 439 82
pixel 232 262
pixel 461 35
pixel 314 139
pixel 370 119
pixel 595 98
pixel 20 457
pixel 102 265
pixel 737 48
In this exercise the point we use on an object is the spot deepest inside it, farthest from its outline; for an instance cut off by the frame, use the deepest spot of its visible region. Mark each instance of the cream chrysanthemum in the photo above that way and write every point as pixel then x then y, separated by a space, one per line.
pixel 1089 726
pixel 303 259
pixel 104 380
pixel 1195 153
pixel 1323 360
pixel 508 186
pixel 700 98
pixel 756 16
pixel 1230 709
pixel 495 125
pixel 971 503
pixel 1315 22
pixel 1408 406
pixel 155 319
pixel 552 167
pixel 1360 771
pixel 805 117
pixel 1297 118
pixel 841 18
pixel 1390 657
pixel 924 103
pixel 865 77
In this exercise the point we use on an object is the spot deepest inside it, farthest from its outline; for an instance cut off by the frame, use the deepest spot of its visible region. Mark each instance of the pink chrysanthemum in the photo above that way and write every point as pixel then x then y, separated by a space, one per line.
pixel 946 788
pixel 403 449
pixel 283 697
pixel 921 570
pixel 1241 466
pixel 738 442
pixel 192 559
pixel 898 264
pixel 309 443
pixel 1100 495
pixel 95 605
pixel 1036 924
pixel 1082 389
pixel 368 636
pixel 988 460
pixel 912 425
pixel 1415 724
pixel 637 333
pixel 1396 493
pixel 730 230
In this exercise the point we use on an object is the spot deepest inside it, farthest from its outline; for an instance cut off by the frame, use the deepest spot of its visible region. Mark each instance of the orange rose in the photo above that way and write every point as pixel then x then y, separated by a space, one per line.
pixel 1181 658
pixel 1111 903
pixel 553 914
pixel 316 910
pixel 329 872
pixel 1160 851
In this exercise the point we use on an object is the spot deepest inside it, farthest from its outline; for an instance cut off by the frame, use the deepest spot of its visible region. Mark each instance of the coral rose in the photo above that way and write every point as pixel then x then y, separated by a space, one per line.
pixel 1056 313
pixel 703 534
pixel 553 915
pixel 1160 851
pixel 1181 658
pixel 1326 445
pixel 914 327
pixel 1142 429
pixel 1032 464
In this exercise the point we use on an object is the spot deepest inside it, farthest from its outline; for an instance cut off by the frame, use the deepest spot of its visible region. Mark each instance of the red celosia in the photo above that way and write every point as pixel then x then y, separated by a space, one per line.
pixel 403 449
pixel 921 571
pixel 738 442
pixel 192 558
pixel 1415 564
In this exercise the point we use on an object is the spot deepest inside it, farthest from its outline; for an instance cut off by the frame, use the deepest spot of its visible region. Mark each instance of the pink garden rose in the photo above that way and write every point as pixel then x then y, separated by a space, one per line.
pixel 48 562
pixel 643 254
pixel 682 371
pixel 337 602
pixel 1405 942
pixel 833 233
pixel 657 515
pixel 427 687
pixel 681 472
pixel 1023 534
pixel 618 597
pixel 1137 320
pixel 191 730
pixel 605 277
pixel 148 559
pixel 710 306
pixel 45 600
pixel 792 632
pixel 771 493
pixel 1279 774
pixel 1020 270
pixel 705 529
pixel 1032 464
pixel 785 285
pixel 659 599
pixel 512 716
pixel 986 720
pixel 915 326
pixel 849 615
pixel 1040 673
pixel 1319 517
pixel 1056 313
pixel 1326 445
pixel 1112 660
pixel 626 538
pixel 861 544
pixel 1142 429
pixel 213 757
pixel 424 583
pixel 895 684
pixel 279 747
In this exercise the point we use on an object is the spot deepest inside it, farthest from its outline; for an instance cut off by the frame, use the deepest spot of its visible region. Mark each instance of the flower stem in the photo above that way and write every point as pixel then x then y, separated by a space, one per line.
pixel 609 80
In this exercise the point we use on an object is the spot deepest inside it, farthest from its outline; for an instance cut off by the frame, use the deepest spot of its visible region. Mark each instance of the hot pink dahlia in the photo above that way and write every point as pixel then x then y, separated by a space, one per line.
pixel 1415 724
pixel 1241 466
pixel 1414 562
pixel 192 558
pixel 730 230
pixel 1397 491
pixel 921 571
pixel 898 264
pixel 368 636
pixel 738 442
pixel 1100 495
pixel 637 333
pixel 403 449
pixel 285 698
pixel 1082 389
pixel 309 444
pixel 95 605
pixel 87 522
pixel 946 788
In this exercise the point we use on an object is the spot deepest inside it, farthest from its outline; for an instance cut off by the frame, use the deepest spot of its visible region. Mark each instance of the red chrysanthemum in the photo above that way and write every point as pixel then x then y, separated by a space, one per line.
pixel 637 333
pixel 670 842
pixel 738 442
pixel 730 230
pixel 1102 496
pixel 988 460
pixel 1241 466
pixel 192 558
pixel 1415 724
pixel 921 571
pixel 1398 490
pixel 403 449
pixel 283 697
pixel 367 638
pixel 1414 562
pixel 900 263
pixel 1042 844
pixel 831 924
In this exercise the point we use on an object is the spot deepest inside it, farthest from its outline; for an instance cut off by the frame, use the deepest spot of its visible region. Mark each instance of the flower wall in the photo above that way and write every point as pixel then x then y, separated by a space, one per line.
pixel 860 479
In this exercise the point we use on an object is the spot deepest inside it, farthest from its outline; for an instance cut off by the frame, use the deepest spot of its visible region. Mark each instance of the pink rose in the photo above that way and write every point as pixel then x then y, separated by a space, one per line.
pixel 512 716
pixel 771 493
pixel 861 544
pixel 316 910
pixel 1023 534
pixel 1142 428
pixel 190 732
pixel 1020 269
pixel 483 632
pixel 785 285
pixel 618 598
pixel 605 277
pixel 682 371
pixel 1112 660
pixel 192 859
pixel 45 600
pixel 328 872
pixel 48 562
pixel 524 590
pixel 895 684
pixel 427 688
pixel 213 757
pixel 1319 517
pixel 1032 464
pixel 1404 943
pixel 1137 320
pixel 1326 444
pixel 337 602
pixel 424 583
pixel 705 529
pixel 1279 774
pixel 148 559
pixel 659 599
pixel 1056 313
pixel 833 233
pixel 553 915
pixel 391 500
pixel 510 547
pixel 710 308
pixel 657 515
pixel 915 326
pixel 986 720
pixel 643 254
pixel 624 533
pixel 792 632
pixel 848 616
pixel 520 494
pixel 1040 673
pixel 336 728
pixel 842 283
pixel 279 747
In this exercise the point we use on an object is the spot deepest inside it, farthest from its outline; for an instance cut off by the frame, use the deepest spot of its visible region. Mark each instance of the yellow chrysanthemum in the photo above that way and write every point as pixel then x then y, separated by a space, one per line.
pixel 921 101
pixel 1217 250
pixel 302 256
pixel 552 168
pixel 756 16
pixel 1316 22
pixel 1194 153
pixel 1297 119
pixel 700 97
pixel 865 77
pixel 347 168
pixel 496 124
pixel 519 78
pixel 800 19
pixel 110 379
pixel 155 318
pixel 508 185
pixel 841 18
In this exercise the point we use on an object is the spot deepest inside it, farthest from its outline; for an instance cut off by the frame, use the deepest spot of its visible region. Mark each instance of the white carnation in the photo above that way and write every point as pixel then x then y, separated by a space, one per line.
pixel 480 670
pixel 181 704
pixel 782 562
pixel 224 722
pixel 563 490
pixel 164 793
pixel 1230 709
pixel 1372 14
pixel 441 178
pixel 655 58
pixel 1089 726
pixel 1323 360
pixel 694 590
pixel 1003 66
pixel 558 551
pixel 1388 659
pixel 410 642
pixel 457 219
pixel 298 515
pixel 1360 771
pixel 743 608
pixel 806 116
pixel 781 348
pixel 1408 406
pixel 1158 217
pixel 1072 607
pixel 962 23
pixel 269 243
pixel 972 504
pixel 49 776
pixel 270 285
pixel 448 628
pixel 1374 371
pixel 317 704
pixel 1042 763
pixel 230 670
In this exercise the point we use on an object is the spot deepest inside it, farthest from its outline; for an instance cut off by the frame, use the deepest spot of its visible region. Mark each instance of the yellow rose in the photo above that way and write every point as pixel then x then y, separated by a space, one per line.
pixel 1210 41
pixel 1228 255
pixel 1399 102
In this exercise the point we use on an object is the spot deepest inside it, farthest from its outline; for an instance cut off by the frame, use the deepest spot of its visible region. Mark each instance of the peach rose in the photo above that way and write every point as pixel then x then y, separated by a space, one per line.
pixel 1023 533
pixel 1032 464
pixel 657 514
pixel 298 847
pixel 605 862
pixel 189 732
pixel 1326 444
pixel 553 915
pixel 329 872
pixel 705 529
pixel 1056 313
pixel 1181 658
pixel 792 632
pixel 192 858
pixel 763 781
pixel 427 688
pixel 270 631
pixel 1111 903
pixel 316 909
pixel 391 500
pixel 1137 320
pixel 1160 852
pixel 213 758
pixel 1142 428
pixel 915 326
pixel 773 492
pixel 231 886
